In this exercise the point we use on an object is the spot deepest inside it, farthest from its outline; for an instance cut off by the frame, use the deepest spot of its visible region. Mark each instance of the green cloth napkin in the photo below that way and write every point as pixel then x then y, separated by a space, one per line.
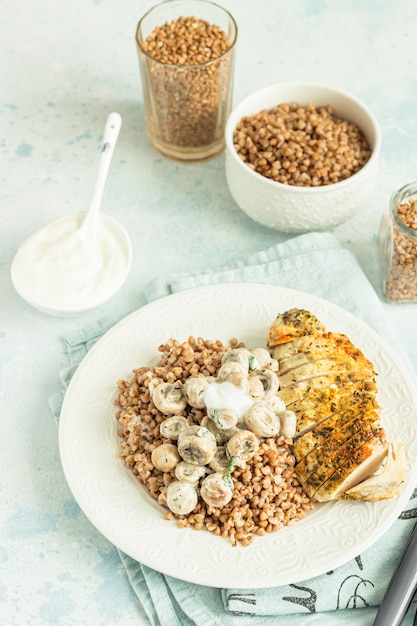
pixel 317 264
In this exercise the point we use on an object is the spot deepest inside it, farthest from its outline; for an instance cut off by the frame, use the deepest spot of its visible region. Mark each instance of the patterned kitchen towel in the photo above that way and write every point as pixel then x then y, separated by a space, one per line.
pixel 315 263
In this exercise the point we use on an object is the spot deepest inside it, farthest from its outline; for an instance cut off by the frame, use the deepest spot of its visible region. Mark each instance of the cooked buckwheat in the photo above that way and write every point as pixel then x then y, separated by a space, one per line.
pixel 266 496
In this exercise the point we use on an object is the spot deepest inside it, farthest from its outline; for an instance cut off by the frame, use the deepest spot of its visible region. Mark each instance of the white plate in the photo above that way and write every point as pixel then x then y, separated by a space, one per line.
pixel 119 506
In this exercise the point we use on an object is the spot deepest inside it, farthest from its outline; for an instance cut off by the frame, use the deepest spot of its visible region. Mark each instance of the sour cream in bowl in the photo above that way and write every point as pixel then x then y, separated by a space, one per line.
pixel 59 271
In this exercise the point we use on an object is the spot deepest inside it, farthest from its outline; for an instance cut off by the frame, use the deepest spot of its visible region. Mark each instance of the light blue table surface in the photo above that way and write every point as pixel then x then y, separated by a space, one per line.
pixel 64 67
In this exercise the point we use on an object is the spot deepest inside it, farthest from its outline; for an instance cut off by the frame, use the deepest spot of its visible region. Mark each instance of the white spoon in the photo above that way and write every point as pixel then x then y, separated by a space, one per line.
pixel 88 227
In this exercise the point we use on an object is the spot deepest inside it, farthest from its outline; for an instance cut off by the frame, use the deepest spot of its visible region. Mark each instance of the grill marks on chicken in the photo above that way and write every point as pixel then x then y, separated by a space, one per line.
pixel 365 461
pixel 318 405
pixel 320 384
pixel 337 428
pixel 330 385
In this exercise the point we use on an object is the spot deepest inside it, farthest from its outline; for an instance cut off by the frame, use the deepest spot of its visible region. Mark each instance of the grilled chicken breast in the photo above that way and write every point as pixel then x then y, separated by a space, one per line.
pixel 340 381
pixel 337 427
pixel 340 447
pixel 317 405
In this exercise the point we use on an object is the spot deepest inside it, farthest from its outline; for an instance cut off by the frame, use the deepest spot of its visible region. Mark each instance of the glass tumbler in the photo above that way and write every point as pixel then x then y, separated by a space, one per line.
pixel 398 246
pixel 186 52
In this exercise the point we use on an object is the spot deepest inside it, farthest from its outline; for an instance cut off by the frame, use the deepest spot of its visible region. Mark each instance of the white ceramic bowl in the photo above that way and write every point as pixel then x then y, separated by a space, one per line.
pixel 292 209
pixel 64 281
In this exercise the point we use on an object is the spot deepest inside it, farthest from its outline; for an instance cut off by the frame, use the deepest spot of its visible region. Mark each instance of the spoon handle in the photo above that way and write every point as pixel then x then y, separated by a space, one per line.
pixel 111 133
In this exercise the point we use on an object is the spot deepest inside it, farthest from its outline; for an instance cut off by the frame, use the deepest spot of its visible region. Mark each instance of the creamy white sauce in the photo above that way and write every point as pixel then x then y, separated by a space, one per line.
pixel 225 395
pixel 60 268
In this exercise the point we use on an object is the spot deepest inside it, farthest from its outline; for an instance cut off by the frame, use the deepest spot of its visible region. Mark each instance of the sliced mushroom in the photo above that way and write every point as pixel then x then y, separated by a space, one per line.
pixel 169 398
pixel 221 460
pixel 173 426
pixel 216 490
pixel 255 388
pixel 242 356
pixel 182 497
pixel 265 359
pixel 262 420
pixel 189 472
pixel 243 445
pixel 277 405
pixel 235 373
pixel 223 418
pixel 270 382
pixel 196 445
pixel 232 431
pixel 165 457
pixel 288 424
pixel 194 388
pixel 221 436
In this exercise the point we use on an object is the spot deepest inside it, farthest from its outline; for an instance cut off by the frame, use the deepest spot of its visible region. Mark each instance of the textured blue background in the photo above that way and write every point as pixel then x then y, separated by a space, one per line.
pixel 64 67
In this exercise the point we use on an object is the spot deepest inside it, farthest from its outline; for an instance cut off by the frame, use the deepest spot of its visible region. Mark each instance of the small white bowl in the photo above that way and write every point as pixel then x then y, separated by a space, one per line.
pixel 289 208
pixel 54 275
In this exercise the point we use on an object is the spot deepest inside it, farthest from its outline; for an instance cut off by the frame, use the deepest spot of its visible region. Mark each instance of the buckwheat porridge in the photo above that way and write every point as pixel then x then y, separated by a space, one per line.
pixel 198 430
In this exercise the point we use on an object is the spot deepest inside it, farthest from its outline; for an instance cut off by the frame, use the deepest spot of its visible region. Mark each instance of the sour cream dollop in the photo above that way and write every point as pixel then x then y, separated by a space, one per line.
pixel 225 395
pixel 58 269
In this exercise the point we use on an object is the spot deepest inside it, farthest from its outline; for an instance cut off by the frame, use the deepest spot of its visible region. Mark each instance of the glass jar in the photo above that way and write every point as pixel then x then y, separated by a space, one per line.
pixel 398 245
pixel 186 54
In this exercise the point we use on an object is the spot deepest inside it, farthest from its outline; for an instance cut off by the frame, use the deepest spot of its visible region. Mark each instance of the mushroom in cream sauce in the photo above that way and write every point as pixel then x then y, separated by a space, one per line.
pixel 169 398
pixel 173 426
pixel 235 373
pixel 269 381
pixel 224 418
pixel 196 445
pixel 277 405
pixel 182 497
pixel 243 356
pixel 165 457
pixel 189 472
pixel 255 389
pixel 216 489
pixel 194 388
pixel 221 460
pixel 264 359
pixel 219 434
pixel 288 424
pixel 262 420
pixel 241 408
pixel 243 445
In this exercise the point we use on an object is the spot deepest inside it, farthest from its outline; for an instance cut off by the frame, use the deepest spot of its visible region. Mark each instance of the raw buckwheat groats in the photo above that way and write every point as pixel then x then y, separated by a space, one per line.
pixel 401 282
pixel 305 146
pixel 187 66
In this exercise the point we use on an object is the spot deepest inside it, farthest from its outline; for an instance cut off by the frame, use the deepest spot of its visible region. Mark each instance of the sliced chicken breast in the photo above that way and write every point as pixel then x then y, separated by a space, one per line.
pixel 330 346
pixel 386 481
pixel 329 400
pixel 333 428
pixel 336 448
pixel 353 401
pixel 340 447
pixel 362 464
pixel 320 383
pixel 313 346
pixel 291 324
pixel 323 367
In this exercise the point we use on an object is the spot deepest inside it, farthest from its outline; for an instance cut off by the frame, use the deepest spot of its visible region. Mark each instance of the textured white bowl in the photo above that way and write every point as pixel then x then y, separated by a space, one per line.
pixel 292 209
